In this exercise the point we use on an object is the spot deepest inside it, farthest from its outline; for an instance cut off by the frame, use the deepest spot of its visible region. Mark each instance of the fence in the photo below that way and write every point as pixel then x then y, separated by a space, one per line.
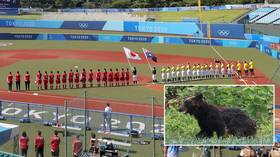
pixel 232 31
pixel 41 113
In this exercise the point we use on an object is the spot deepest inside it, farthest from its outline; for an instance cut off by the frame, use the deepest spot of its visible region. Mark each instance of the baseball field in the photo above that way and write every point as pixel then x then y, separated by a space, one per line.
pixel 16 55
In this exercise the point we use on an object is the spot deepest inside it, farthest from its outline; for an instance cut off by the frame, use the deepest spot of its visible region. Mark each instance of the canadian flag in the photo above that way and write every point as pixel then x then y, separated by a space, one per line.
pixel 130 54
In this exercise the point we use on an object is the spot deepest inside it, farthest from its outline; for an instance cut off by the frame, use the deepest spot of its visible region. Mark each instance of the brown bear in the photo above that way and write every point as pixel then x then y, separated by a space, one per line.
pixel 212 119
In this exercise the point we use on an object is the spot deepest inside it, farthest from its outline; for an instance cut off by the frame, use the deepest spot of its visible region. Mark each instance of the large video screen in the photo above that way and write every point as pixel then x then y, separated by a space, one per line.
pixel 9 3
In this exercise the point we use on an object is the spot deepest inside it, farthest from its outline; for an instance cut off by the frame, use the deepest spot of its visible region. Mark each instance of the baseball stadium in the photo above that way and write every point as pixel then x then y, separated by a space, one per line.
pixel 142 46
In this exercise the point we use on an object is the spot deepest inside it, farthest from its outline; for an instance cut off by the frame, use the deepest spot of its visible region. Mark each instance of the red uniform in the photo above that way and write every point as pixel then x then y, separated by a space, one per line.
pixel 39 78
pixel 70 77
pixel 77 147
pixel 51 78
pixel 64 77
pixel 127 76
pixel 10 78
pixel 122 76
pixel 57 80
pixel 23 142
pixel 45 79
pixel 39 142
pixel 104 76
pixel 26 77
pixel 18 77
pixel 84 77
pixel 55 141
pixel 77 77
pixel 111 77
pixel 117 76
pixel 90 76
pixel 98 76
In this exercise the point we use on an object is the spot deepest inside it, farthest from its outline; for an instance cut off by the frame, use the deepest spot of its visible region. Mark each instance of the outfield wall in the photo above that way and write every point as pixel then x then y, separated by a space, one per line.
pixel 126 38
pixel 41 113
pixel 235 31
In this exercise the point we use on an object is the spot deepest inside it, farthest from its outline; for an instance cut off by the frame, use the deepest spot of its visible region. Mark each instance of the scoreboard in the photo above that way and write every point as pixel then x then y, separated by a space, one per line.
pixel 9 3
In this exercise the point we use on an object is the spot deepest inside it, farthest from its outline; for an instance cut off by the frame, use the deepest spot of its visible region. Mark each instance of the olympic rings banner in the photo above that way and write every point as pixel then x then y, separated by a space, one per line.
pixel 235 31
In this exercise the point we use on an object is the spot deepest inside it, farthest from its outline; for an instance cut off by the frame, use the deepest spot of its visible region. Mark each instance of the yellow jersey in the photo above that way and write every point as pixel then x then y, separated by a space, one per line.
pixel 222 65
pixel 228 65
pixel 251 64
pixel 198 67
pixel 217 66
pixel 202 67
pixel 206 67
pixel 210 66
pixel 172 68
pixel 238 66
pixel 182 67
pixel 194 67
pixel 162 70
pixel 188 67
pixel 167 70
pixel 178 68
pixel 246 66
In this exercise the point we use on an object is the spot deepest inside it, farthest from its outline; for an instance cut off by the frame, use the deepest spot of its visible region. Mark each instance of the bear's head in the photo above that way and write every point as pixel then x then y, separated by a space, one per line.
pixel 191 104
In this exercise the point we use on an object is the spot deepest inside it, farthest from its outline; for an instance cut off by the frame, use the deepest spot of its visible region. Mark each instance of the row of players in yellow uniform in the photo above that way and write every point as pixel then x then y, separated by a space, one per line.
pixel 205 71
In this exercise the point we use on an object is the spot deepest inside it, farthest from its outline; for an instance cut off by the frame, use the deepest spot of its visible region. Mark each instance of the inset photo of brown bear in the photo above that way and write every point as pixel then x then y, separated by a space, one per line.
pixel 219 115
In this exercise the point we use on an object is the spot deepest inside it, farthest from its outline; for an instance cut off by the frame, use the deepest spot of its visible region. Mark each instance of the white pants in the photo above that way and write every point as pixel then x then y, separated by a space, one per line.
pixel 211 72
pixel 163 76
pixel 217 72
pixel 168 75
pixel 183 73
pixel 189 72
pixel 154 77
pixel 178 74
pixel 134 78
pixel 223 71
pixel 173 74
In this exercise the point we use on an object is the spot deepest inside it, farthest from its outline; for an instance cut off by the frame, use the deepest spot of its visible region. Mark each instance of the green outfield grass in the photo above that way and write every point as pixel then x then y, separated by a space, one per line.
pixel 207 16
pixel 135 151
pixel 261 60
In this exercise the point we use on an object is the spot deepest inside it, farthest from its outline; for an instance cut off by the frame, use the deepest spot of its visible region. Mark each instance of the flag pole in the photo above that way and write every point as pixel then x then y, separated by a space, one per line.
pixel 147 60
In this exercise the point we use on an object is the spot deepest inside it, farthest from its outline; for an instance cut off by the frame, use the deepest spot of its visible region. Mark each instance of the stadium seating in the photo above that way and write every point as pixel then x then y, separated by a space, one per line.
pixel 257 14
pixel 271 17
pixel 277 22
pixel 91 16
pixel 5 154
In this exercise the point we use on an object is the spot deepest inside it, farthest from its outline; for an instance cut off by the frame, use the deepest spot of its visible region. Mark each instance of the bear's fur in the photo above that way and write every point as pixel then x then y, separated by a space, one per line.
pixel 212 119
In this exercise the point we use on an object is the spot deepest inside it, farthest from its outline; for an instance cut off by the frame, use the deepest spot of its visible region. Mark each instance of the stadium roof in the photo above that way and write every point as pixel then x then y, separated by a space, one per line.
pixel 8 132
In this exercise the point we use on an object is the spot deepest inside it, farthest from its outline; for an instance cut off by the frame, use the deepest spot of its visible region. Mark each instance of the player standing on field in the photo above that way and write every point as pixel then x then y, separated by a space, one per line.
pixel 70 78
pixel 27 80
pixel 55 142
pixel 57 80
pixel 84 78
pixel 77 78
pixel 10 81
pixel 168 74
pixel 117 77
pixel 46 80
pixel 39 80
pixel 105 77
pixel 111 78
pixel 18 81
pixel 134 76
pixel 51 80
pixel 222 70
pixel 122 77
pixel 246 68
pixel 127 76
pixel 162 71
pixel 238 65
pixel 64 80
pixel 98 77
pixel 251 68
pixel 154 74
pixel 90 78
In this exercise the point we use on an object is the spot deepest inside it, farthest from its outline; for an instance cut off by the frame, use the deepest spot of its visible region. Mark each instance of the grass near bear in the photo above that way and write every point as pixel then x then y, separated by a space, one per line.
pixel 256 102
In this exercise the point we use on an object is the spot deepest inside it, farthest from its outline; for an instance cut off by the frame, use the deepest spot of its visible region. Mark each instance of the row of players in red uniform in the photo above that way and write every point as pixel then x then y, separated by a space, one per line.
pixel 74 78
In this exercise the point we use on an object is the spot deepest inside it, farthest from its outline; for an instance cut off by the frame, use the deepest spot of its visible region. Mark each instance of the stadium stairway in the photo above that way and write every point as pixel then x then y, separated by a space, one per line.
pixel 259 13
pixel 270 18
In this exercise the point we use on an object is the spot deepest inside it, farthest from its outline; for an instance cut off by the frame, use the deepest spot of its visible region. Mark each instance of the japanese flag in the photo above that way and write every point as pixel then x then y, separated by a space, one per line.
pixel 130 54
